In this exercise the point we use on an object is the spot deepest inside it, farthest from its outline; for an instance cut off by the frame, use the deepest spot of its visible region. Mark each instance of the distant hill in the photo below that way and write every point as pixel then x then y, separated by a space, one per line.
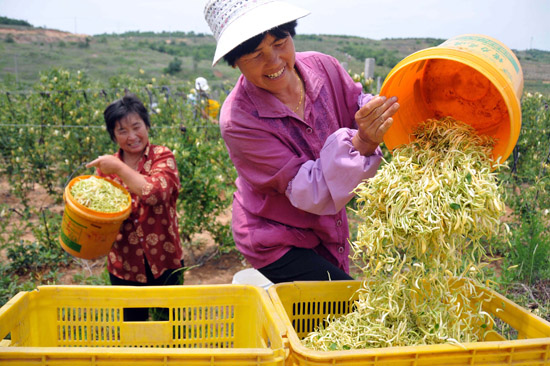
pixel 31 35
pixel 26 51
pixel 14 22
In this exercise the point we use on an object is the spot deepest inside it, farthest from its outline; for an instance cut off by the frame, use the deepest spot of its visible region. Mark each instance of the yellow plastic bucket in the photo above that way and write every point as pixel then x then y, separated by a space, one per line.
pixel 86 233
pixel 472 78
pixel 212 108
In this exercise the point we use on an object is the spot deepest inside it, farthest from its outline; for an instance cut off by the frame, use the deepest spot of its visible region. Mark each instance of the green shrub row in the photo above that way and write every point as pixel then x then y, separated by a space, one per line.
pixel 48 135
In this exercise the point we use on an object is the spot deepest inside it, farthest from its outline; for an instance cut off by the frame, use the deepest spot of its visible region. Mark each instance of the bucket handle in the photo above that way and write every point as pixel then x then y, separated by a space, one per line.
pixel 67 182
pixel 73 173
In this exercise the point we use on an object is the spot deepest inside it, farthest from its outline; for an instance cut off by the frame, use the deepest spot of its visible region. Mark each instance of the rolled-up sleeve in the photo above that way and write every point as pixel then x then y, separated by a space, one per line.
pixel 325 185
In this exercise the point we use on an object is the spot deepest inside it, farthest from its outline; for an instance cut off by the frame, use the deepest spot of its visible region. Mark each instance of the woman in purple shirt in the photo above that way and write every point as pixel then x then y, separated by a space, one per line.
pixel 301 135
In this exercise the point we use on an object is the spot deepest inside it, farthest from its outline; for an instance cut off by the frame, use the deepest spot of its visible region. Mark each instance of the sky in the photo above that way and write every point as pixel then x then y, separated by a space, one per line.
pixel 519 24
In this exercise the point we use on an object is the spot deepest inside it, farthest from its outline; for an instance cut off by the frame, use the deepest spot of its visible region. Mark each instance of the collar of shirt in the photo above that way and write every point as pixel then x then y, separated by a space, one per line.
pixel 143 159
pixel 268 106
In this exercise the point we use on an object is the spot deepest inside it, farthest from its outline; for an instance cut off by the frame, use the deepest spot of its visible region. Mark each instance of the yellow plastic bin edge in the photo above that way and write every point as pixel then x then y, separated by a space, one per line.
pixel 71 356
pixel 274 354
pixel 273 315
pixel 11 314
pixel 143 353
pixel 534 327
pixel 11 308
pixel 295 343
pixel 396 352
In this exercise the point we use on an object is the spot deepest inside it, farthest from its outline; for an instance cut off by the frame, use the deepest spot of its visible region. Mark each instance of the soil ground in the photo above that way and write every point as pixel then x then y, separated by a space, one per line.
pixel 206 266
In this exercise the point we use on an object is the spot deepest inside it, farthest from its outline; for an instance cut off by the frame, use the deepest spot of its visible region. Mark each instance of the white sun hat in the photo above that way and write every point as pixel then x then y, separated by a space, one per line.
pixel 201 84
pixel 235 21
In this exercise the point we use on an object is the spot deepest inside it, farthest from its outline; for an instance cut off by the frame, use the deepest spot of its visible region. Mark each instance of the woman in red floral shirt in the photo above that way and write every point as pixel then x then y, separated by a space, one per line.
pixel 147 252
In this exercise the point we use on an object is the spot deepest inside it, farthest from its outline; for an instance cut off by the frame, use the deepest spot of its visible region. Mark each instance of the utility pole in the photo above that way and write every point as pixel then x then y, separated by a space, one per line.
pixel 369 68
pixel 369 72
pixel 16 72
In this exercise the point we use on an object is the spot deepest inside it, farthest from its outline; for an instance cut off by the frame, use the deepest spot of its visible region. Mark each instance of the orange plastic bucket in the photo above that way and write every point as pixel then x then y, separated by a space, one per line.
pixel 472 78
pixel 86 233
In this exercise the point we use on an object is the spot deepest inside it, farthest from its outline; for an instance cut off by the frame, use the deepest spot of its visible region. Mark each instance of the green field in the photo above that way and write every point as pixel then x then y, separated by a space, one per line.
pixel 148 55
pixel 53 87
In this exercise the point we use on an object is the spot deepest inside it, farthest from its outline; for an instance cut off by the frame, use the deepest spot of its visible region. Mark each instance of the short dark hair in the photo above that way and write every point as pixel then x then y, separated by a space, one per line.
pixel 248 46
pixel 121 108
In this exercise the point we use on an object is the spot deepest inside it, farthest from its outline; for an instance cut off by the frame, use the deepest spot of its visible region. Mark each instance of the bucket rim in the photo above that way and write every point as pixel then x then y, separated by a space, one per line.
pixel 508 94
pixel 69 199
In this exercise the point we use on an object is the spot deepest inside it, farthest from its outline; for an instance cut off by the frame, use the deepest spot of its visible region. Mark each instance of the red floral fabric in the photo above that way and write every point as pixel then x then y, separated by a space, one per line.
pixel 151 230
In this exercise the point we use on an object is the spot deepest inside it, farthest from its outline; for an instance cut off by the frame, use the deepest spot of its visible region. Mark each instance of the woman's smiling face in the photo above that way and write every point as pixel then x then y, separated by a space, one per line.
pixel 131 134
pixel 270 65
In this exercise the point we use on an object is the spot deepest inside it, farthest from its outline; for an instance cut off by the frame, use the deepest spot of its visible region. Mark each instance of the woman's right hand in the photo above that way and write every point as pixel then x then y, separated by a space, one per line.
pixel 373 120
pixel 108 164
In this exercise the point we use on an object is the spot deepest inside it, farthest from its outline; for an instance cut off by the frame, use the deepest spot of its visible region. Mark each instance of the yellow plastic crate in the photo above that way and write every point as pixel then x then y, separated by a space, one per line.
pixel 304 305
pixel 84 325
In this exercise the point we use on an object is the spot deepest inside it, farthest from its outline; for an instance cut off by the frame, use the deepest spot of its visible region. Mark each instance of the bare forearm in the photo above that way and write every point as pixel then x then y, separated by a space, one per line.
pixel 132 179
pixel 109 164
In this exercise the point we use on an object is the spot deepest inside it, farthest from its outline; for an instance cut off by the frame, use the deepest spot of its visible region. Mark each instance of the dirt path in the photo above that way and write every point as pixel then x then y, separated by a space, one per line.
pixel 217 270
pixel 213 269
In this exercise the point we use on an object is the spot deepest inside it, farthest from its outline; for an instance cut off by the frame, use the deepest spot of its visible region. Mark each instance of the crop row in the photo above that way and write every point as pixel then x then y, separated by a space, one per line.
pixel 48 134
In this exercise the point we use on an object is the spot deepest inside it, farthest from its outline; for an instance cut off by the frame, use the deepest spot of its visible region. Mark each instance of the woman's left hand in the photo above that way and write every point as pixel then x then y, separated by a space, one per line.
pixel 373 121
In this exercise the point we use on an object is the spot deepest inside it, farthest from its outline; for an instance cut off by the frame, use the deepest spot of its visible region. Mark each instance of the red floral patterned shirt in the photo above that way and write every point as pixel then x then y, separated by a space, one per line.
pixel 151 230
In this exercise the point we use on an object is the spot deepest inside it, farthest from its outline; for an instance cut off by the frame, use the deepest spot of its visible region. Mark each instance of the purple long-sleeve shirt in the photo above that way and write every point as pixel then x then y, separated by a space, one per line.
pixel 295 176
